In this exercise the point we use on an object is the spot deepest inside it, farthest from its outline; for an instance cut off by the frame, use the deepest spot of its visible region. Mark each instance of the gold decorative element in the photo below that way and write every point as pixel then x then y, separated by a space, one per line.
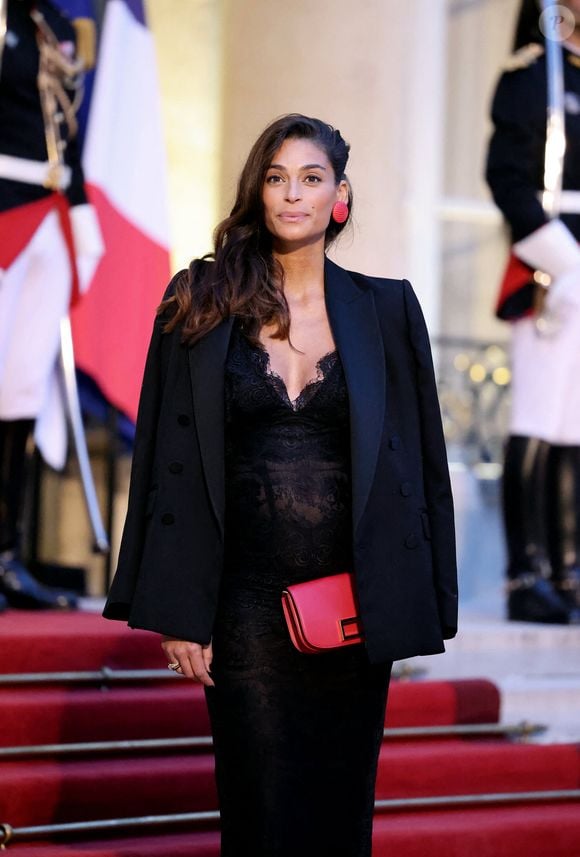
pixel 542 278
pixel 542 282
pixel 6 831
pixel 57 76
pixel 574 60
pixel 3 14
pixel 53 177
pixel 86 41
pixel 524 57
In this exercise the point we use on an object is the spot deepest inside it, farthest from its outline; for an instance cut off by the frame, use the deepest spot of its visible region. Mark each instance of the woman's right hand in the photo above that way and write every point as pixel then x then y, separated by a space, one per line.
pixel 194 659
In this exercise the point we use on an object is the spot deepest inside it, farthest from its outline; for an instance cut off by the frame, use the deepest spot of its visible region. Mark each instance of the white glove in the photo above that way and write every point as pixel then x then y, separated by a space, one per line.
pixel 551 248
pixel 564 292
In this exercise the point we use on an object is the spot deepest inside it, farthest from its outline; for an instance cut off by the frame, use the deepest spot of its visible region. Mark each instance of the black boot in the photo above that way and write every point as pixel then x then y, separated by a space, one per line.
pixel 23 591
pixel 531 594
pixel 564 525
pixel 14 436
pixel 17 585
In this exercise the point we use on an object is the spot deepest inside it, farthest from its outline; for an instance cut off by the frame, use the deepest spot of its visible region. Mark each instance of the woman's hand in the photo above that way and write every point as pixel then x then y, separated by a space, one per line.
pixel 194 659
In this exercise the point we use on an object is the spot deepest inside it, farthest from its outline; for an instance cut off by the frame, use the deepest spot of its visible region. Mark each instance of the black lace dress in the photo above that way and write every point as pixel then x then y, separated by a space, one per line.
pixel 296 736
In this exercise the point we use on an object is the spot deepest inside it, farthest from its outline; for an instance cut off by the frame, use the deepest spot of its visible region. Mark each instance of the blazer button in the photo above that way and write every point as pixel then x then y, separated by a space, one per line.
pixel 183 420
pixel 411 541
pixel 167 518
pixel 406 489
pixel 176 467
pixel 395 442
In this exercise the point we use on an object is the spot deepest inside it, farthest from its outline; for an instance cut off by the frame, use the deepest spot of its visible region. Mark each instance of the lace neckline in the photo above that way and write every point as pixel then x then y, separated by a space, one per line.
pixel 323 368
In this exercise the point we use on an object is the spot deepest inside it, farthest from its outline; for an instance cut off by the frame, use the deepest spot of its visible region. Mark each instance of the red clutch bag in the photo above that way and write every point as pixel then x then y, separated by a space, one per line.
pixel 323 614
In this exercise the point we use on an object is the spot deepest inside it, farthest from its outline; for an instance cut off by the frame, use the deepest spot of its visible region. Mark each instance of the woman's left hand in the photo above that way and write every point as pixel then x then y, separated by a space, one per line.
pixel 194 659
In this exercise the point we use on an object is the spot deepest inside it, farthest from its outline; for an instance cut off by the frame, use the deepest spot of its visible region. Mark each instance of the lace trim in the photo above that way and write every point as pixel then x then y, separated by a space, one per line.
pixel 323 369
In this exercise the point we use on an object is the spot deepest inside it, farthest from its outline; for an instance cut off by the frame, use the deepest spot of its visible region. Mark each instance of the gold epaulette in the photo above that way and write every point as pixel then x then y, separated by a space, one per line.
pixel 524 57
pixel 86 41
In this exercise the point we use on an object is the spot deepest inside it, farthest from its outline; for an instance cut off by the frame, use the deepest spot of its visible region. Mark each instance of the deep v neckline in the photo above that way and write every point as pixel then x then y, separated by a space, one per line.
pixel 322 368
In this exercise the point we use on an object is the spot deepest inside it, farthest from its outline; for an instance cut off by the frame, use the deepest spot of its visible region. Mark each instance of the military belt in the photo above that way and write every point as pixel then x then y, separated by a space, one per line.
pixel 43 173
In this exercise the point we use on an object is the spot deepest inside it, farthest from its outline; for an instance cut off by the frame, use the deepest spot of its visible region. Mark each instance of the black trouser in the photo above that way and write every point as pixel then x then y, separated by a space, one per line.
pixel 14 436
pixel 541 504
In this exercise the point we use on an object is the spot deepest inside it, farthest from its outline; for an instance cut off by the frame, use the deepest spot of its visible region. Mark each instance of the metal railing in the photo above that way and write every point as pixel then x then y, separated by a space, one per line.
pixel 518 731
pixel 211 818
pixel 107 675
pixel 103 676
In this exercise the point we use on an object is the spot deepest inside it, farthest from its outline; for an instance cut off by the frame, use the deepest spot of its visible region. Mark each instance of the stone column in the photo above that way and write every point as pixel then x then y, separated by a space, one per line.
pixel 372 68
pixel 188 40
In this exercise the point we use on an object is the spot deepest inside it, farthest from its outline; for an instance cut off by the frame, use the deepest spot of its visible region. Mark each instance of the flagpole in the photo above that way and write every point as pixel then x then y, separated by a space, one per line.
pixel 555 128
pixel 546 323
pixel 3 14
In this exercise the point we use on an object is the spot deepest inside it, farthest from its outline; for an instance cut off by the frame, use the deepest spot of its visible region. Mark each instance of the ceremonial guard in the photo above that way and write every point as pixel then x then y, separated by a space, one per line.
pixel 49 241
pixel 533 170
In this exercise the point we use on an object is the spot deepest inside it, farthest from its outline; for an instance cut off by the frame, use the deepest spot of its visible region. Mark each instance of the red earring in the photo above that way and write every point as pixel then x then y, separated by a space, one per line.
pixel 340 212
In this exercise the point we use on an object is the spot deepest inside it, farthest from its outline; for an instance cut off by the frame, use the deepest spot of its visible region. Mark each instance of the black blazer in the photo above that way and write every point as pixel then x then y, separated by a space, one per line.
pixel 172 548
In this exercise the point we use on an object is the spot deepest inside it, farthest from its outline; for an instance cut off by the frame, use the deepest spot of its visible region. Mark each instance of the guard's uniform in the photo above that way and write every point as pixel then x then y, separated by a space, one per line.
pixel 46 225
pixel 545 391
pixel 541 484
pixel 40 236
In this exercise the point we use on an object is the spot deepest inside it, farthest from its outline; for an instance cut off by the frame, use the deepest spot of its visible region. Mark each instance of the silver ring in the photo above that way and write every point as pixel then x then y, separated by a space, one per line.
pixel 175 666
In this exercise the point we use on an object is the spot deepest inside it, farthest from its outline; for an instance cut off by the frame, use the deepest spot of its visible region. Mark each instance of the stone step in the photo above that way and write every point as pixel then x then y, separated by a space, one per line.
pixel 536 667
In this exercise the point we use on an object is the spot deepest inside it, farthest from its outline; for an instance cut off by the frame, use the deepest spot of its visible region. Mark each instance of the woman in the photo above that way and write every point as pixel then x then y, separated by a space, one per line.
pixel 541 483
pixel 288 430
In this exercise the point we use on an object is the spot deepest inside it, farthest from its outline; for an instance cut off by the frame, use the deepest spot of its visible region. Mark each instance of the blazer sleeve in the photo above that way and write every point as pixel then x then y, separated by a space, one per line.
pixel 435 468
pixel 515 156
pixel 118 605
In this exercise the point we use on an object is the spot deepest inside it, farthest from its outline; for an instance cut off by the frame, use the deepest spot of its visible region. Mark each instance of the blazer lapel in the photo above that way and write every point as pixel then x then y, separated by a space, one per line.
pixel 206 365
pixel 355 326
pixel 356 331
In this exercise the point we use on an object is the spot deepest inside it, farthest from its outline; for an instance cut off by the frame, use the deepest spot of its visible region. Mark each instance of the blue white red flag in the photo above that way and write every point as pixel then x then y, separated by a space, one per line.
pixel 124 164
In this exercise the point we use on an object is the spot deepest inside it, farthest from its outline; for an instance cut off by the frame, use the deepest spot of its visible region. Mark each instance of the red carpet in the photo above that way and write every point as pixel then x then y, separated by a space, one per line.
pixel 205 844
pixel 169 710
pixel 177 709
pixel 43 641
pixel 519 831
pixel 38 792
pixel 45 791
pixel 55 790
pixel 49 791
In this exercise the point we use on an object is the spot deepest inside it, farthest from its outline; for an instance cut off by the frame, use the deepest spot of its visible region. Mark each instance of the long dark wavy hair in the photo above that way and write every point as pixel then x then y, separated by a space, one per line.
pixel 244 278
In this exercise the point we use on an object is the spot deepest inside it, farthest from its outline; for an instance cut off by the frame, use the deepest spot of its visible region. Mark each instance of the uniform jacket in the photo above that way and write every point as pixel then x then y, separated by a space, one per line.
pixel 515 160
pixel 22 133
pixel 172 548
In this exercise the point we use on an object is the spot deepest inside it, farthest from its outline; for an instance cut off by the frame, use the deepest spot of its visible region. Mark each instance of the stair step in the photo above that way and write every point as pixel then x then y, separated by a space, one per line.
pixel 475 767
pixel 536 667
pixel 50 715
pixel 52 791
pixel 552 829
pixel 41 641
pixel 542 831
pixel 186 844
pixel 438 703
pixel 58 715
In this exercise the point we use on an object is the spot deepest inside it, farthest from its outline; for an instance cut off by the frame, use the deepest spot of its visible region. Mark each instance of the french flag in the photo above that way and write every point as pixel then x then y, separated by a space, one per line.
pixel 124 165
